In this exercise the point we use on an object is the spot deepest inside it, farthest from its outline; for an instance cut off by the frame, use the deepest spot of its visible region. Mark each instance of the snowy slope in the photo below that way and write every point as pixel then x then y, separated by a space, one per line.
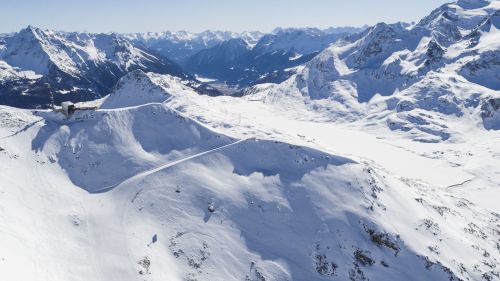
pixel 7 72
pixel 217 60
pixel 416 79
pixel 301 40
pixel 70 66
pixel 144 192
pixel 72 53
pixel 82 66
pixel 221 53
pixel 180 45
pixel 137 88
pixel 378 160
pixel 271 59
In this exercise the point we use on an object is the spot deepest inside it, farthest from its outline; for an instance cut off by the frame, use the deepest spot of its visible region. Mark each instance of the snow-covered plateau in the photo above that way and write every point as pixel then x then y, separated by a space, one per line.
pixel 378 159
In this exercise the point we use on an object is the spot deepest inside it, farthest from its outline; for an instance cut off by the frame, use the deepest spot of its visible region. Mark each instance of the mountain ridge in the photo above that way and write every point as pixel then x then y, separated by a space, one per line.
pixel 387 61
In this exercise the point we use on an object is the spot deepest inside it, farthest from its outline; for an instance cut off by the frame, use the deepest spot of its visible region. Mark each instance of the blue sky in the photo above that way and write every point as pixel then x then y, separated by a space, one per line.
pixel 198 15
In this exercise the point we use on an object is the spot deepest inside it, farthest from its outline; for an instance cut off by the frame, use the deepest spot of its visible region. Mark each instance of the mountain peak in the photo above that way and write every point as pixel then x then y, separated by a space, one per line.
pixel 381 26
pixel 296 30
pixel 235 42
pixel 135 88
pixel 29 28
pixel 27 50
pixel 30 31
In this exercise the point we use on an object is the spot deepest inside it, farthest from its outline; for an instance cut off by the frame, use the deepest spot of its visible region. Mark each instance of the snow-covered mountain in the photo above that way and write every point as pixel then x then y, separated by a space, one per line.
pixel 416 79
pixel 300 40
pixel 212 61
pixel 345 29
pixel 69 66
pixel 42 67
pixel 377 160
pixel 138 190
pixel 271 59
pixel 180 45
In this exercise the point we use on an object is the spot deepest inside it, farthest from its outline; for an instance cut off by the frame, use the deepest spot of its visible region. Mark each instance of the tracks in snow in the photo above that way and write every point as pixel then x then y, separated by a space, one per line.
pixel 107 222
pixel 141 175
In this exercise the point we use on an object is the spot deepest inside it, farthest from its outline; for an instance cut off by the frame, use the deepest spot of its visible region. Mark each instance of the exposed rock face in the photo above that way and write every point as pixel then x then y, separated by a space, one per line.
pixel 490 112
pixel 70 66
pixel 411 77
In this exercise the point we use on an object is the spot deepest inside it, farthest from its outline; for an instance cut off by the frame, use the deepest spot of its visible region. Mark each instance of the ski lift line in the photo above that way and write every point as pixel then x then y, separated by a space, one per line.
pixel 146 173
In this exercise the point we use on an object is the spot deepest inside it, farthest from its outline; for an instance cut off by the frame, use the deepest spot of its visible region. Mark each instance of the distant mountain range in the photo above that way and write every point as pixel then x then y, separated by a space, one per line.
pixel 180 45
pixel 41 67
pixel 242 59
pixel 236 62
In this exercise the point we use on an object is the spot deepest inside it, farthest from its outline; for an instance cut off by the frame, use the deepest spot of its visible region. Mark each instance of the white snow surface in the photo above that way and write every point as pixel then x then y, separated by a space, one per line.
pixel 187 37
pixel 179 186
pixel 40 51
pixel 414 80
pixel 8 72
pixel 379 160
